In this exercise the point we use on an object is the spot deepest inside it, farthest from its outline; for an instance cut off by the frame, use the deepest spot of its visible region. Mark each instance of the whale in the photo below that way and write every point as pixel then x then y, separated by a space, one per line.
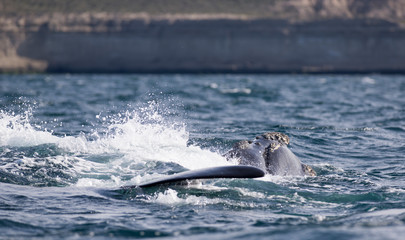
pixel 270 153
pixel 266 154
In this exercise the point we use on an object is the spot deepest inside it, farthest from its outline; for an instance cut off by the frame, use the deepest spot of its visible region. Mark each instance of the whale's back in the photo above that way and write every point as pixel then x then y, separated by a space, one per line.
pixel 283 162
pixel 270 153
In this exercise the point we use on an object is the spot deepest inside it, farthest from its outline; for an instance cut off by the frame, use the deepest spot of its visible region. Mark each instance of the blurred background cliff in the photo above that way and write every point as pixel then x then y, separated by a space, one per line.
pixel 202 36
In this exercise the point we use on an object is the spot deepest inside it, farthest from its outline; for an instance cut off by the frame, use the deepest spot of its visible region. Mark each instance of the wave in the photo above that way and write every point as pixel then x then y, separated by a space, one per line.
pixel 132 147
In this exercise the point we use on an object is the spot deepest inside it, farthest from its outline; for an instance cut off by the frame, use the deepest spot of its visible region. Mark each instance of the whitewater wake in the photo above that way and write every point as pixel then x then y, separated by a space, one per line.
pixel 136 146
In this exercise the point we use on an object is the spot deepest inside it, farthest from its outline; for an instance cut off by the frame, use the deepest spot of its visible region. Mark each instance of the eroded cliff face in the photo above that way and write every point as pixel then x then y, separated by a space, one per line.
pixel 140 42
pixel 389 10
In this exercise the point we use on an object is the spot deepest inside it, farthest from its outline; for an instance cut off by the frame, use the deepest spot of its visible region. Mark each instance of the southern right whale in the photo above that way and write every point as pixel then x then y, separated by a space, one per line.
pixel 270 153
pixel 267 153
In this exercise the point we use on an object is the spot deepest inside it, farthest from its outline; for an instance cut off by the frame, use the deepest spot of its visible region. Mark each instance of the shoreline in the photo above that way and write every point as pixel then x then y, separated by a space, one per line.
pixel 139 43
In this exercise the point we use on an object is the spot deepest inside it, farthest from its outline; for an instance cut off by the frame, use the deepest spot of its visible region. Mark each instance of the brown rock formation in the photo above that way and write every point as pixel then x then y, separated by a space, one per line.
pixel 285 36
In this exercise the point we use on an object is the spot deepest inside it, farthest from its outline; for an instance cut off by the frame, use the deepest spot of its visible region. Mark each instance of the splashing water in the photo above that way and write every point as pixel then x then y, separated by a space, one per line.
pixel 63 160
pixel 133 147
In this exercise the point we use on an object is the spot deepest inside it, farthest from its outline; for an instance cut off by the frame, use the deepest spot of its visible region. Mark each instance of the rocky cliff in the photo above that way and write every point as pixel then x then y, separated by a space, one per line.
pixel 311 36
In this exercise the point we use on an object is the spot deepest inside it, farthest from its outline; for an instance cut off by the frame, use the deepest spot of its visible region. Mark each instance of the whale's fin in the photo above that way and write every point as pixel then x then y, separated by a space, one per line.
pixel 205 173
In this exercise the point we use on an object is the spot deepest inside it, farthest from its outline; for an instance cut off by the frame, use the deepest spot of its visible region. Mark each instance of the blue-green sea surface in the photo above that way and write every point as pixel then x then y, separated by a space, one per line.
pixel 69 142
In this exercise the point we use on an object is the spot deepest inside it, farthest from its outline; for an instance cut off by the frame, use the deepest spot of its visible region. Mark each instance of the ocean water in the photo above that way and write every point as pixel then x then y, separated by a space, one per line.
pixel 69 142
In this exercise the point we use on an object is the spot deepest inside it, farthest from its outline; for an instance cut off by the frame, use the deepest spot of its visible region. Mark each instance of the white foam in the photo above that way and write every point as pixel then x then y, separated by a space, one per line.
pixel 237 90
pixel 395 190
pixel 249 193
pixel 385 212
pixel 16 131
pixel 170 197
pixel 131 143
pixel 368 80
pixel 157 142
pixel 281 179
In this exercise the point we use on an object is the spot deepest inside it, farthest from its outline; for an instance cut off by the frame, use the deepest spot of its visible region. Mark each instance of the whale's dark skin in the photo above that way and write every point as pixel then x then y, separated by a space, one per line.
pixel 269 152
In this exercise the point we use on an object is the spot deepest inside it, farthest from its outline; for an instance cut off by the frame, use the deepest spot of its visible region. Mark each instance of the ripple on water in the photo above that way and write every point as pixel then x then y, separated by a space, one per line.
pixel 68 142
